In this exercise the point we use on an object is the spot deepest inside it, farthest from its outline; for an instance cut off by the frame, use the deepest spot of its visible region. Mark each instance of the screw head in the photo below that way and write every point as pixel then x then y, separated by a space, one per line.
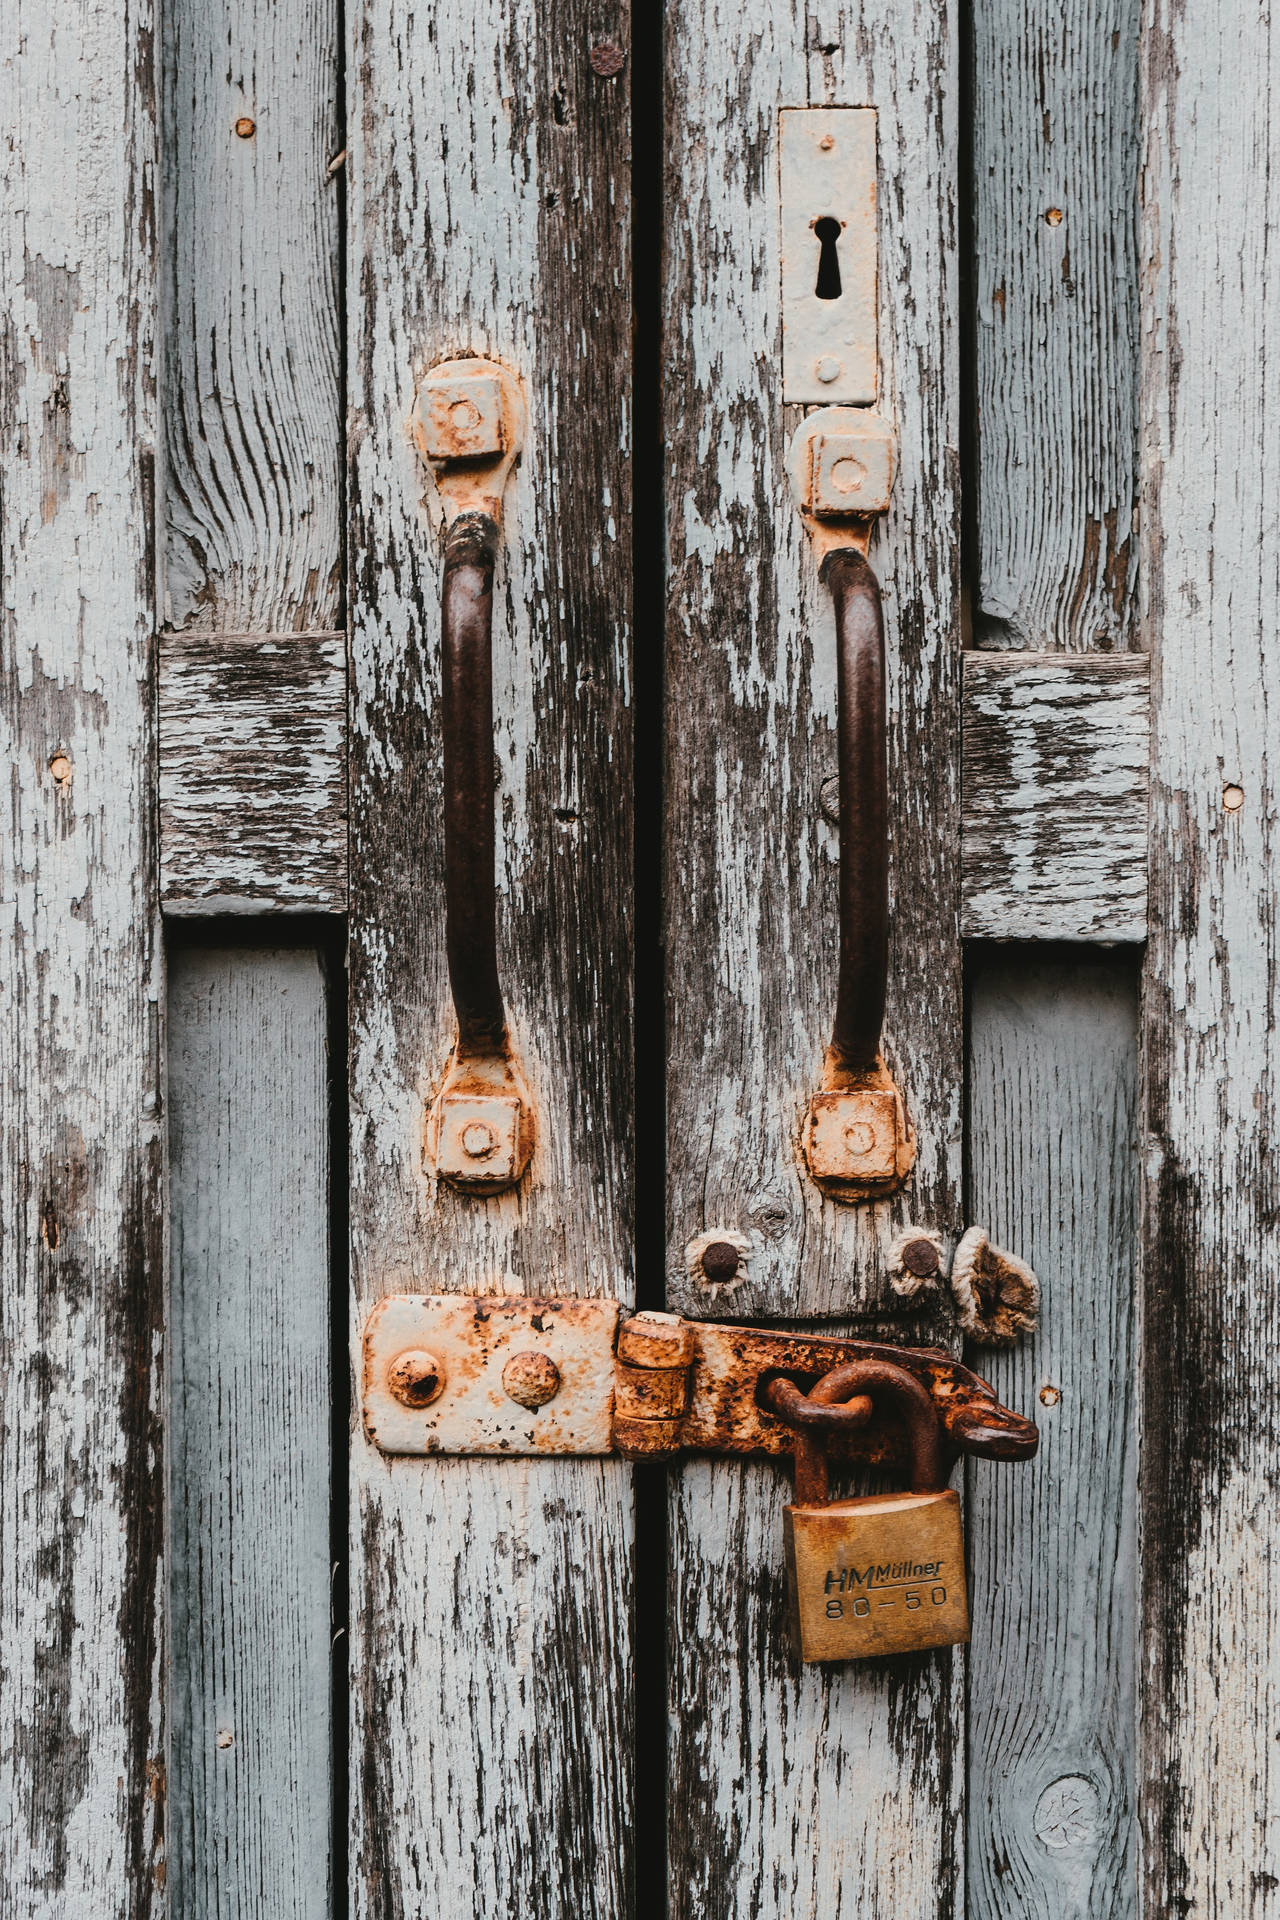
pixel 920 1257
pixel 607 58
pixel 245 127
pixel 721 1260
pixel 478 1139
pixel 828 369
pixel 531 1379
pixel 416 1378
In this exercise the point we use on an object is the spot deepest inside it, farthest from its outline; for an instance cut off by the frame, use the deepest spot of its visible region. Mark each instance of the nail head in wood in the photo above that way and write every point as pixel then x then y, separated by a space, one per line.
pixel 720 1260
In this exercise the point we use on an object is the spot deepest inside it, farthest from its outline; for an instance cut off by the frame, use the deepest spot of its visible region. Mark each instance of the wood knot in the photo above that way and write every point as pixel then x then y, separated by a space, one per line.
pixel 1068 1815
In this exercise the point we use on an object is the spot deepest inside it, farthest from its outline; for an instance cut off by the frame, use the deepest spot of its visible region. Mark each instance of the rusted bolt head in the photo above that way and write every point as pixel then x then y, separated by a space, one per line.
pixel 416 1378
pixel 921 1258
pixel 531 1379
pixel 607 59
pixel 720 1261
pixel 478 1139
pixel 245 127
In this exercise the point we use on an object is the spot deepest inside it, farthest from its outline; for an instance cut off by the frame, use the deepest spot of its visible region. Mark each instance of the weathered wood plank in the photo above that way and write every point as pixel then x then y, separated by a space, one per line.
pixel 1210 1429
pixel 1055 300
pixel 81 1127
pixel 248 1805
pixel 751 860
pixel 1055 797
pixel 253 790
pixel 253 403
pixel 491 1672
pixel 253 785
pixel 798 1793
pixel 1052 1789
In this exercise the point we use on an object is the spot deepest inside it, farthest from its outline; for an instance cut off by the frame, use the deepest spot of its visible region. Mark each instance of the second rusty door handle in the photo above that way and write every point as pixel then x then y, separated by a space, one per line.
pixel 468 425
pixel 858 1142
pixel 863 810
pixel 471 936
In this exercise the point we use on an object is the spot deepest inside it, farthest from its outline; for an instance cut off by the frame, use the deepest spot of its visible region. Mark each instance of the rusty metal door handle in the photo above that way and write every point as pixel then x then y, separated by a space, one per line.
pixel 858 1143
pixel 471 934
pixel 864 810
pixel 468 425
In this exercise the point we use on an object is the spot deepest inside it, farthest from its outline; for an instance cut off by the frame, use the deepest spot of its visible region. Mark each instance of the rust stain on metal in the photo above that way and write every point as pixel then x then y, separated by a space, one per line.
pixel 481 1344
pixel 731 1368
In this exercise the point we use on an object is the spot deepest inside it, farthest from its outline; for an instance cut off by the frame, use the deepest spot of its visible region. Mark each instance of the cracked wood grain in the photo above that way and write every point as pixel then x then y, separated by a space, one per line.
pixel 1055 323
pixel 81 1123
pixel 490 1660
pixel 253 762
pixel 248 1809
pixel 253 402
pixel 1055 797
pixel 1210 1698
pixel 1051 1831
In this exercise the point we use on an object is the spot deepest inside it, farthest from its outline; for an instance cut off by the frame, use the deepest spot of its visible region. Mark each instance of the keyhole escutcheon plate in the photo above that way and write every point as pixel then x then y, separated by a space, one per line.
pixel 827 186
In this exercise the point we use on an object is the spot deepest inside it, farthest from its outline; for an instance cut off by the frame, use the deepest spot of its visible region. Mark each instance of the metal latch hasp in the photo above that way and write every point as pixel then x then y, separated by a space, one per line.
pixel 494 1374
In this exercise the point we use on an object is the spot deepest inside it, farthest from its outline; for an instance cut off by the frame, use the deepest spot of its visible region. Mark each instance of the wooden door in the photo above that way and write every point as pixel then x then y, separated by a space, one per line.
pixel 249 1664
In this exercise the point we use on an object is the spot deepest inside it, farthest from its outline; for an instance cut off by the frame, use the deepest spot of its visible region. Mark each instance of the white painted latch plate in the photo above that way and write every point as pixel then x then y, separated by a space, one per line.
pixel 457 1373
pixel 828 174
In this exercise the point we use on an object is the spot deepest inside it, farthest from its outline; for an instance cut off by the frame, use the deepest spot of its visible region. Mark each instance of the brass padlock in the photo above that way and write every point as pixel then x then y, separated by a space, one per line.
pixel 884 1573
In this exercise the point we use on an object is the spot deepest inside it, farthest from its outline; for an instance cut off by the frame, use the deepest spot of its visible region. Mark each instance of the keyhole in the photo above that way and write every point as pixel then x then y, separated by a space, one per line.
pixel 828 233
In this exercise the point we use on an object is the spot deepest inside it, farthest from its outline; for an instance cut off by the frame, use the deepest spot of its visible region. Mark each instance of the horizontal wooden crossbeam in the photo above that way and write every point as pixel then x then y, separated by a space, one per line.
pixel 253 785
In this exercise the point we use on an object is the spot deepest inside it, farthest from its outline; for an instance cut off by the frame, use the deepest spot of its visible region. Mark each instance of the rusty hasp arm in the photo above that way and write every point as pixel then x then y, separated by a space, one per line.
pixel 461 1373
pixel 692 1386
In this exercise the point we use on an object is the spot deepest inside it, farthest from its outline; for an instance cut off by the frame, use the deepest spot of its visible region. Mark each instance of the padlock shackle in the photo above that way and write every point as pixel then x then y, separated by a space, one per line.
pixel 881 1382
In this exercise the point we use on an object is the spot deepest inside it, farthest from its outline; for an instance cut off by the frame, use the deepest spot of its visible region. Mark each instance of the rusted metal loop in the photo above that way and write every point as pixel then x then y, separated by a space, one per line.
pixel 469 832
pixel 800 1410
pixel 864 809
pixel 882 1382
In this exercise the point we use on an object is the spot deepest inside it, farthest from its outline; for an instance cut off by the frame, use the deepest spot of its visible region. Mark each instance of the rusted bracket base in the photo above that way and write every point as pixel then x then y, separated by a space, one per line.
pixel 456 1373
pixel 858 1141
